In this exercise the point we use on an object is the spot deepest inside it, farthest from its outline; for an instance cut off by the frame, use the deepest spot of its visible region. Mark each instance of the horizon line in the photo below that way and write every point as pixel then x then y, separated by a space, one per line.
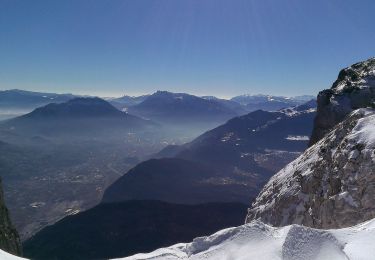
pixel 119 95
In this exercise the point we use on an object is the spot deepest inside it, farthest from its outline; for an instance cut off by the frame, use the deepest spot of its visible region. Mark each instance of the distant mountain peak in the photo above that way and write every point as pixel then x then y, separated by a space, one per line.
pixel 270 102
pixel 89 101
pixel 77 107
pixel 177 108
pixel 81 118
pixel 164 93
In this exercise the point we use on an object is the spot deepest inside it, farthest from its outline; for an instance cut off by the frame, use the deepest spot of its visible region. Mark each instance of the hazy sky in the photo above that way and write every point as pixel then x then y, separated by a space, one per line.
pixel 216 47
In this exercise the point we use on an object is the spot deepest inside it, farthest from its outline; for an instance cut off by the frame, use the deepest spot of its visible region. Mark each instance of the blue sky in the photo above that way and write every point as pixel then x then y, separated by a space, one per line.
pixel 213 47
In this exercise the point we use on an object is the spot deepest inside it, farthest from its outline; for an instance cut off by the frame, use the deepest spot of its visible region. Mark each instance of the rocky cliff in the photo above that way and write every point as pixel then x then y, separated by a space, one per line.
pixel 353 89
pixel 9 239
pixel 332 184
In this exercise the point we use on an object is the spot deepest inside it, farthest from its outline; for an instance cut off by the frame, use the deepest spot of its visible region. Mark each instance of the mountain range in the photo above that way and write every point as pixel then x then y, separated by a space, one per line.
pixel 122 103
pixel 59 158
pixel 183 111
pixel 203 113
pixel 50 144
pixel 320 205
pixel 23 100
pixel 228 164
pixel 269 102
pixel 329 187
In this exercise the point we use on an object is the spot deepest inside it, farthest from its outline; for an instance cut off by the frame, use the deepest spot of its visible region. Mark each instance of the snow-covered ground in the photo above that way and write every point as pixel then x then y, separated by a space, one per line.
pixel 260 241
pixel 297 138
pixel 6 256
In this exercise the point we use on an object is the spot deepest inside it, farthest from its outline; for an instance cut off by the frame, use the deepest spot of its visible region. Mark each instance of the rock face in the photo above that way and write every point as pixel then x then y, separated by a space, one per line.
pixel 353 89
pixel 331 185
pixel 9 239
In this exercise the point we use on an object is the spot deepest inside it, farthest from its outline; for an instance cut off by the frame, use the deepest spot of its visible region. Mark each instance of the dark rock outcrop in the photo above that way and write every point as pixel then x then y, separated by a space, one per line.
pixel 9 239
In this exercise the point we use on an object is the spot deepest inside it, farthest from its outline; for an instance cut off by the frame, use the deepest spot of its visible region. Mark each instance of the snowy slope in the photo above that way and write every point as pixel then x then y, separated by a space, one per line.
pixel 331 185
pixel 260 241
pixel 6 256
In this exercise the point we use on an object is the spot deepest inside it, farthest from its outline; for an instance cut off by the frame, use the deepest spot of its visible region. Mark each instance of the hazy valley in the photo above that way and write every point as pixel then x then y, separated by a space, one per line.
pixel 197 130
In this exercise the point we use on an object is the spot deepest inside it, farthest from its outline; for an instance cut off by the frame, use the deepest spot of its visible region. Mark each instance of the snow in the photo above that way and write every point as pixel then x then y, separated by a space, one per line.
pixel 227 137
pixel 7 256
pixel 348 198
pixel 260 241
pixel 366 73
pixel 293 111
pixel 297 138
pixel 284 180
pixel 364 131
